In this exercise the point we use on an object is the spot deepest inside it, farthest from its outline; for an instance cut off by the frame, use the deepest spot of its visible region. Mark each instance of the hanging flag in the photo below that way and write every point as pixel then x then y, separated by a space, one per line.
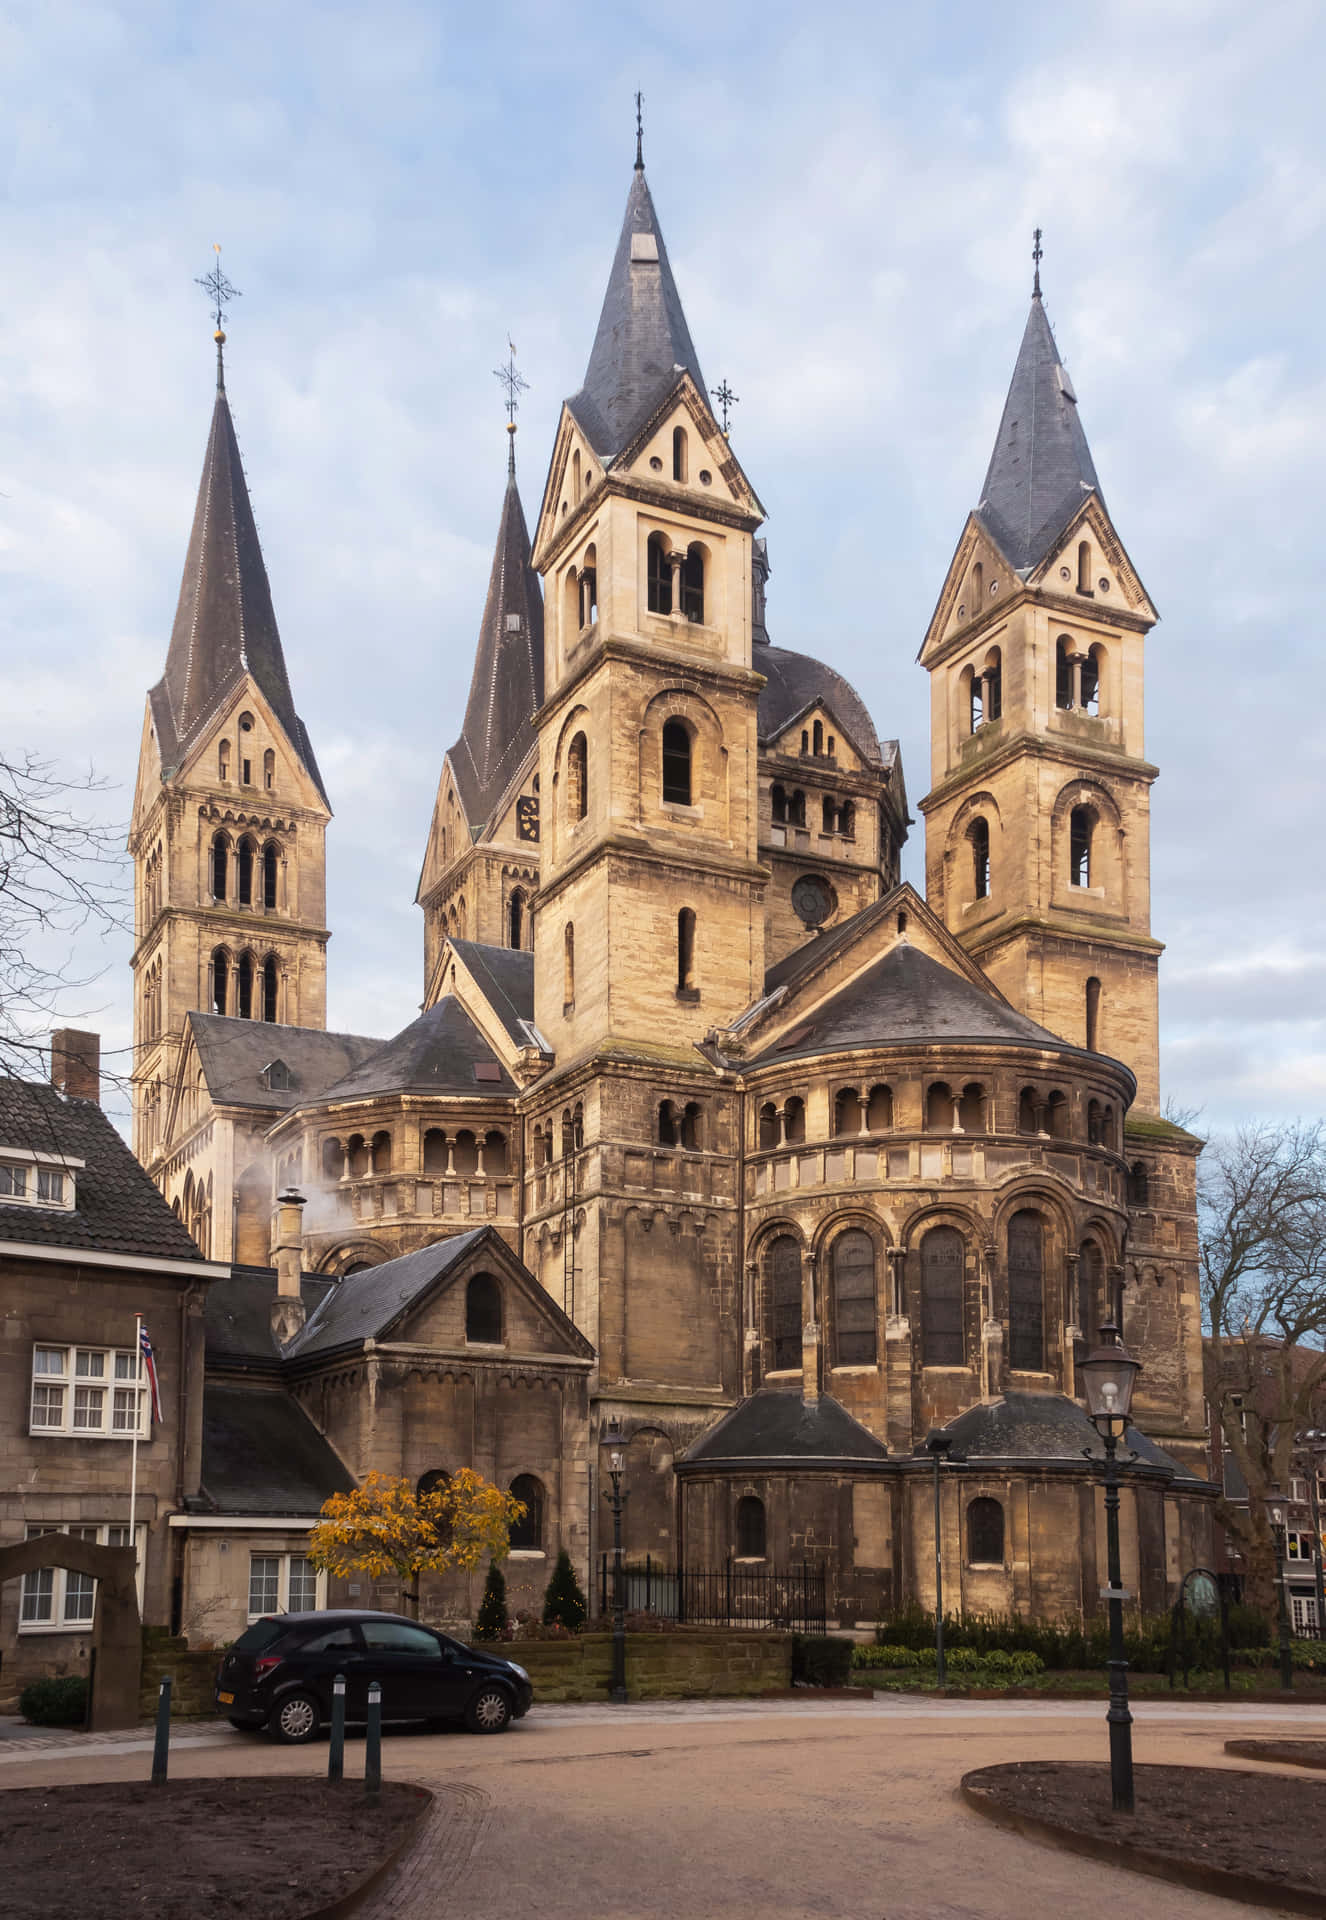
pixel 150 1368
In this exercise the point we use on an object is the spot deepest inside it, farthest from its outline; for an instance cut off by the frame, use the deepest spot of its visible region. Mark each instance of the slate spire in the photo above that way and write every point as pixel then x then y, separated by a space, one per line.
pixel 642 337
pixel 506 690
pixel 1041 469
pixel 225 625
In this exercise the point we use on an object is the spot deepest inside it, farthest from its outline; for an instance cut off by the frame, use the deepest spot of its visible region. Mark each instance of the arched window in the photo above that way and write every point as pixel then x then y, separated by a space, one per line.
pixel 690 1127
pixel 847 820
pixel 1084 566
pixel 977 590
pixel 526 1534
pixel 1093 1012
pixel 994 685
pixel 679 453
pixel 466 1157
pixel 1093 1123
pixel 569 966
pixel 796 808
pixel 879 1113
pixel 1090 1302
pixel 1139 1185
pixel 494 1152
pixel 357 1154
pixel 223 760
pixel 1028 1118
pixel 244 863
pixel 667 1124
pixel 846 1111
pixel 1063 672
pixel 971 1108
pixel 751 1530
pixel 794 1119
pixel 1080 824
pixel 828 815
pixel 515 919
pixel 975 699
pixel 382 1152
pixel 692 585
pixel 1090 682
pixel 676 763
pixel 1057 1115
pixel 659 574
pixel 220 979
pixel 805 741
pixel 768 1125
pixel 939 1114
pixel 220 862
pixel 778 805
pixel 269 769
pixel 333 1159
pixel 433 1481
pixel 1026 1293
pixel 817 738
pixel 575 474
pixel 269 987
pixel 271 866
pixel 943 1342
pixel 686 951
pixel 577 778
pixel 589 588
pixel 985 1533
pixel 854 1300
pixel 979 835
pixel 483 1311
pixel 244 987
pixel 435 1151
pixel 245 749
pixel 784 1304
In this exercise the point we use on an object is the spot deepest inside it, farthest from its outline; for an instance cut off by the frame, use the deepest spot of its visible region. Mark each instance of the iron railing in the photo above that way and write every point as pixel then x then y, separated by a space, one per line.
pixel 734 1595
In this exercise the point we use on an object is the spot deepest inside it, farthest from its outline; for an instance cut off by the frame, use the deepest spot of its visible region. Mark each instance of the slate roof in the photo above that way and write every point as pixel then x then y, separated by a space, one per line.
pixel 1041 468
pixel 642 339
pixel 263 1455
pixel 905 997
pixel 1046 1426
pixel 506 690
pixel 233 1053
pixel 117 1208
pixel 772 1425
pixel 795 682
pixel 225 624
pixel 506 977
pixel 363 1305
pixel 437 1053
pixel 238 1316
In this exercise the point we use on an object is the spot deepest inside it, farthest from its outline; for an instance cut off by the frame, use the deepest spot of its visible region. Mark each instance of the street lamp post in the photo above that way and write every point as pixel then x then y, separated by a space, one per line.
pixel 938 1445
pixel 1109 1374
pixel 615 1466
pixel 1282 1595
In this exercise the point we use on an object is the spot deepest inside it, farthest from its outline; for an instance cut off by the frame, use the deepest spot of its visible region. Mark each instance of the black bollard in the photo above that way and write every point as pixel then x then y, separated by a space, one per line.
pixel 336 1751
pixel 373 1743
pixel 161 1746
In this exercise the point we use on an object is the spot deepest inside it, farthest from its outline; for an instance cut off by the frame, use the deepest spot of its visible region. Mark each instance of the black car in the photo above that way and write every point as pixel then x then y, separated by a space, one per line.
pixel 279 1675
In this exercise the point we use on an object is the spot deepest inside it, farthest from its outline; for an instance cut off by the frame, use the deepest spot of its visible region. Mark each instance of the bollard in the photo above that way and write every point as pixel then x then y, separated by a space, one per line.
pixel 336 1752
pixel 161 1747
pixel 373 1743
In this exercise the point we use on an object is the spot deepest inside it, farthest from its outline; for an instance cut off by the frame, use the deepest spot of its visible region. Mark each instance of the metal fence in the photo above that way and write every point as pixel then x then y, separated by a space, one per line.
pixel 735 1595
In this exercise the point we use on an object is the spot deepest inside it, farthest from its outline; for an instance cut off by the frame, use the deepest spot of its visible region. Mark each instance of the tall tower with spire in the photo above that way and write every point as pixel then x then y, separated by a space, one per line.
pixel 1038 816
pixel 230 813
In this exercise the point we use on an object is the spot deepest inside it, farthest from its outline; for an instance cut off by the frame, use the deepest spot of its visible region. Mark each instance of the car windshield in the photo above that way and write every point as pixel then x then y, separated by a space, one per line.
pixel 261 1634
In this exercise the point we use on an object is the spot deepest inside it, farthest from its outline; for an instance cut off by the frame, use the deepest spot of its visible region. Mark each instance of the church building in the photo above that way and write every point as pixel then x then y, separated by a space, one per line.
pixel 710 1130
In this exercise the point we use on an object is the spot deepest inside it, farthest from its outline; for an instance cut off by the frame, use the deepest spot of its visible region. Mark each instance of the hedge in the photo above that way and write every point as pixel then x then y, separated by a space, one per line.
pixel 821 1660
pixel 55 1703
pixel 1146 1645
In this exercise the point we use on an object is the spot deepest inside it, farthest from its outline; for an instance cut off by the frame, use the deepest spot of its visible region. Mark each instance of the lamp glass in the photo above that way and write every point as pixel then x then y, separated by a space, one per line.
pixel 618 1461
pixel 1107 1376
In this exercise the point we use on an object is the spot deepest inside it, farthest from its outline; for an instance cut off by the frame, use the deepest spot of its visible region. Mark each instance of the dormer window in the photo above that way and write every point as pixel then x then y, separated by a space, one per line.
pixel 37 1180
pixel 275 1076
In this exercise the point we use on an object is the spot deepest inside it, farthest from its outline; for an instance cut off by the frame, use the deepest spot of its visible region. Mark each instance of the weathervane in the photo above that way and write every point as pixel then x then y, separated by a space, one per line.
pixel 513 385
pixel 1037 254
pixel 726 400
pixel 218 290
pixel 639 134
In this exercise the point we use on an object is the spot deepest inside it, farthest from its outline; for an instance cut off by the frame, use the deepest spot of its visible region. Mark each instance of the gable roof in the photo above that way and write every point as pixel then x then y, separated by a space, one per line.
pixel 1041 468
pixel 116 1209
pixel 795 681
pixel 506 688
pixel 642 339
pixel 233 1053
pixel 773 1425
pixel 263 1455
pixel 505 977
pixel 437 1053
pixel 238 1316
pixel 225 624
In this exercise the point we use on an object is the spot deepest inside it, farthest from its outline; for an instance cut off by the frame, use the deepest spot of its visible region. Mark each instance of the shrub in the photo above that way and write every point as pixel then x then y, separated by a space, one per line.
pixel 563 1601
pixel 55 1703
pixel 821 1660
pixel 883 1657
pixel 493 1620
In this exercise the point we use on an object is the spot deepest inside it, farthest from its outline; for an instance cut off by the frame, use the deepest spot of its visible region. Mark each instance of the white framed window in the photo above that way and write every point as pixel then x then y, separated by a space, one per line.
pixel 37 1180
pixel 284 1583
pixel 1298 1490
pixel 89 1393
pixel 1305 1614
pixel 56 1599
pixel 1298 1546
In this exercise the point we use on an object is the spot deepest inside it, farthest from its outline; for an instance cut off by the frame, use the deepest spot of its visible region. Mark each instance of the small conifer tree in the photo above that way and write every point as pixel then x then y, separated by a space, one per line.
pixel 493 1619
pixel 563 1601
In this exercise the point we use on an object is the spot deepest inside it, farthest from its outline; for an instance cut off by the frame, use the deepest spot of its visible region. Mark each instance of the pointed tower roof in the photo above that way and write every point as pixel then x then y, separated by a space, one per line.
pixel 1041 468
pixel 506 690
pixel 225 625
pixel 642 337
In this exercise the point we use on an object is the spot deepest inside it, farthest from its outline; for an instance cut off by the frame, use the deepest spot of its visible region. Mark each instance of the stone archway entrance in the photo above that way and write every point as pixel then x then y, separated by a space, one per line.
pixel 117 1638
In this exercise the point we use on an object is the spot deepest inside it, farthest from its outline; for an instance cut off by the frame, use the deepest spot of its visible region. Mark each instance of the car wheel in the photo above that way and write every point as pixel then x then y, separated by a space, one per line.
pixel 489 1711
pixel 295 1719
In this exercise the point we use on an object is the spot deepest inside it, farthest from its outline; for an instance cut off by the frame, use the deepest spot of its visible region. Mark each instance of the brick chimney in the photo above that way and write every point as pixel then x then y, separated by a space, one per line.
pixel 288 1314
pixel 76 1064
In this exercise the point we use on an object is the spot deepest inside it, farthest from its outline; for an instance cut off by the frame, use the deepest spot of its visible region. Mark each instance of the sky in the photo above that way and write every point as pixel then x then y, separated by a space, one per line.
pixel 848 195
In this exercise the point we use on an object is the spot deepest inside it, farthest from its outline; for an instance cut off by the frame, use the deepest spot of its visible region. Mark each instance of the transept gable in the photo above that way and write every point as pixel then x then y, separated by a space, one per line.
pixel 819 720
pixel 449 833
pixel 1102 573
pixel 495 985
pixel 967 596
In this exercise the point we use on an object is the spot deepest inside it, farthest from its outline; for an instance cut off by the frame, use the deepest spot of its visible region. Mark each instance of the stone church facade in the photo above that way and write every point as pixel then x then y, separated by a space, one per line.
pixel 747 1147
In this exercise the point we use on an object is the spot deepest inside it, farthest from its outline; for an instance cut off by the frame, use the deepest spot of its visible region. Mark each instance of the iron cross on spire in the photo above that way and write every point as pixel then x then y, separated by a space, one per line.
pixel 513 385
pixel 639 134
pixel 1037 254
pixel 218 290
pixel 726 400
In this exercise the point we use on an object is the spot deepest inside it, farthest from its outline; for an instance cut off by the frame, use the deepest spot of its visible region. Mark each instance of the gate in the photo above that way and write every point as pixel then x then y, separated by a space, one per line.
pixel 793 1599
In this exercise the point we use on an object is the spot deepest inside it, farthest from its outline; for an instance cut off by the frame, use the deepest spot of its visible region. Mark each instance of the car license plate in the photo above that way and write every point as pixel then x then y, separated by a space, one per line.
pixel 226 1699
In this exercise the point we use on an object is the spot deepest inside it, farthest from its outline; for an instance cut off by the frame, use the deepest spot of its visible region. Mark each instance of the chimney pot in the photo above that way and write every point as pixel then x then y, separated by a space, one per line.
pixel 76 1064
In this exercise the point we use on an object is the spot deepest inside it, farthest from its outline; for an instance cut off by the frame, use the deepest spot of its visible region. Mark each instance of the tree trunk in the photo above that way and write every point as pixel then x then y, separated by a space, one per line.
pixel 1261 1579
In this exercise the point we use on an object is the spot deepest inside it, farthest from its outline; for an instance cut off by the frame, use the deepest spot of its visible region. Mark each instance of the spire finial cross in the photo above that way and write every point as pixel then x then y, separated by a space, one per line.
pixel 726 400
pixel 639 133
pixel 1037 254
pixel 513 384
pixel 217 288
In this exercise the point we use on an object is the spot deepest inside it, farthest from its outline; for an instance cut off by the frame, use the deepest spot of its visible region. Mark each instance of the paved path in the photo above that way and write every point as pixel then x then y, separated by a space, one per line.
pixel 727 1810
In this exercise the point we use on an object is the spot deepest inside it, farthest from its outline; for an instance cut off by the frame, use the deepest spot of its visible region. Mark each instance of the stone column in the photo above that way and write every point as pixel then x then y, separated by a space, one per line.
pixel 810 1334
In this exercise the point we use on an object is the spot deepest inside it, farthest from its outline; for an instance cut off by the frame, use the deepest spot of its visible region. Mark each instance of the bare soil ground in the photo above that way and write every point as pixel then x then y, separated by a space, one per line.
pixel 1267 1827
pixel 264 1849
pixel 1288 1753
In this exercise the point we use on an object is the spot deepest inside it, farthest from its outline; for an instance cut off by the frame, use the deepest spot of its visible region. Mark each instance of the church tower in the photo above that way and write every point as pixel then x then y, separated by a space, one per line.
pixel 229 816
pixel 481 865
pixel 1038 817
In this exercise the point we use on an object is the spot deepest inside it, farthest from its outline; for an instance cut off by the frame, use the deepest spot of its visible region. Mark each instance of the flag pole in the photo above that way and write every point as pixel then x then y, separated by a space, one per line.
pixel 133 1453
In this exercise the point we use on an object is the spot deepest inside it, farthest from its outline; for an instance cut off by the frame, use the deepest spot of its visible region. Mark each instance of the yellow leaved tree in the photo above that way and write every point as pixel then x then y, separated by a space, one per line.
pixel 389 1526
